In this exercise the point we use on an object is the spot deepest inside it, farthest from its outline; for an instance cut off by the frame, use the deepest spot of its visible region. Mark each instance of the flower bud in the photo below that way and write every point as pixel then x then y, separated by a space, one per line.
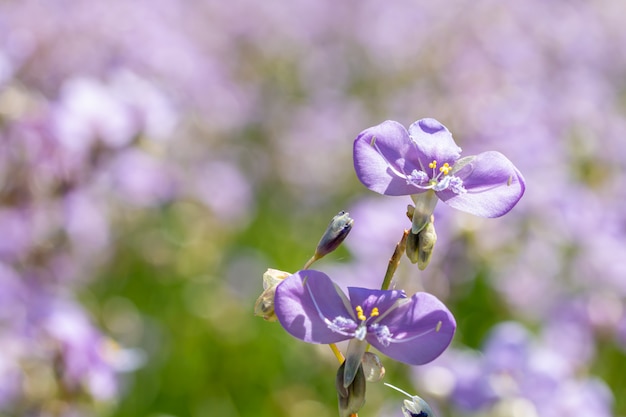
pixel 426 243
pixel 264 305
pixel 424 206
pixel 412 247
pixel 352 397
pixel 419 247
pixel 335 233
pixel 372 367
pixel 415 407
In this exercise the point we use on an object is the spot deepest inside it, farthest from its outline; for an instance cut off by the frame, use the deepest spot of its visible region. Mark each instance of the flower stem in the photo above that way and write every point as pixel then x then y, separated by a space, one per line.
pixel 337 353
pixel 310 261
pixel 394 261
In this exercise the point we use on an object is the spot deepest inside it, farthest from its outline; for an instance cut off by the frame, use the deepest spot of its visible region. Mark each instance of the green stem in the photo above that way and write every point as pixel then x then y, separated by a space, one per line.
pixel 310 261
pixel 394 261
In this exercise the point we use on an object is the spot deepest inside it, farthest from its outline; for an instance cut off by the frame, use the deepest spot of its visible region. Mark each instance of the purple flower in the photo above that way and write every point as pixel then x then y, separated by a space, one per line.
pixel 415 330
pixel 425 162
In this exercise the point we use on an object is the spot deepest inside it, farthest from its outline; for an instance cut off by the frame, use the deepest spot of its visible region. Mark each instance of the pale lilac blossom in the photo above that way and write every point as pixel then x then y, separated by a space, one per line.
pixel 414 330
pixel 426 163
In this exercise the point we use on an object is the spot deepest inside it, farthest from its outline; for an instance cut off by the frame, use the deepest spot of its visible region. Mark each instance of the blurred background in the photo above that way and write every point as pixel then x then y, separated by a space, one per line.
pixel 156 157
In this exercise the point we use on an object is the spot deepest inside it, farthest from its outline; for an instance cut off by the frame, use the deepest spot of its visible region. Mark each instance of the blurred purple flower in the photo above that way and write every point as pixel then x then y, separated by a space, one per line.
pixel 142 179
pixel 516 367
pixel 86 223
pixel 10 372
pixel 89 358
pixel 224 189
pixel 90 111
pixel 17 233
pixel 415 330
pixel 425 162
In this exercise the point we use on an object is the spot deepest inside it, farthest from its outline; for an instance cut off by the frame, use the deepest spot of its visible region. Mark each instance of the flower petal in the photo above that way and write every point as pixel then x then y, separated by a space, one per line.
pixel 368 299
pixel 494 185
pixel 384 156
pixel 421 329
pixel 434 142
pixel 303 303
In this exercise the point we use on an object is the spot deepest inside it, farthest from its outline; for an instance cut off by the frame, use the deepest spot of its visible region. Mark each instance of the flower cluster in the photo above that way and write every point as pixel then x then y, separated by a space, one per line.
pixel 424 163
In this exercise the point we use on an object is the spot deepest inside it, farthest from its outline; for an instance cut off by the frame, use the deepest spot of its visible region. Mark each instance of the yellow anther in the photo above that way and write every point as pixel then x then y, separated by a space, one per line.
pixel 433 165
pixel 374 312
pixel 445 169
pixel 438 326
pixel 359 313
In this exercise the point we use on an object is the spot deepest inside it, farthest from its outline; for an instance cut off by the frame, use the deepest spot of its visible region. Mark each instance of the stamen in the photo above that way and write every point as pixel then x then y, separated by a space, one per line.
pixel 374 312
pixel 438 327
pixel 359 313
pixel 445 169
pixel 433 165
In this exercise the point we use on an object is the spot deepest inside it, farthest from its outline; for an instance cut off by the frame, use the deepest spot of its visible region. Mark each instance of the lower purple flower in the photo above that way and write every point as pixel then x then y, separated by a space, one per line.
pixel 414 330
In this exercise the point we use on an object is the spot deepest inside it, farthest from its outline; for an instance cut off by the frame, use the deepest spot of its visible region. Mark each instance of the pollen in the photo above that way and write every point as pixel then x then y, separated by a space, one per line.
pixel 445 169
pixel 374 312
pixel 433 165
pixel 438 326
pixel 359 313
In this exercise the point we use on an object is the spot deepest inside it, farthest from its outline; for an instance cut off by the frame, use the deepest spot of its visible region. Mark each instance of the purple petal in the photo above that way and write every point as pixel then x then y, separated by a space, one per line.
pixel 434 142
pixel 368 299
pixel 493 186
pixel 421 329
pixel 384 156
pixel 304 300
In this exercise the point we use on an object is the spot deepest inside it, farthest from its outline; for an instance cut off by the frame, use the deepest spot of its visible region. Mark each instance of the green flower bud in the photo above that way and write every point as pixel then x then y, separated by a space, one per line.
pixel 352 397
pixel 419 247
pixel 424 206
pixel 426 243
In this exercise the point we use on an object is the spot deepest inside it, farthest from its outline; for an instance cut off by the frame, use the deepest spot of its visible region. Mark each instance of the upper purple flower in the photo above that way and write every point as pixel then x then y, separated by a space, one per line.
pixel 390 160
pixel 412 330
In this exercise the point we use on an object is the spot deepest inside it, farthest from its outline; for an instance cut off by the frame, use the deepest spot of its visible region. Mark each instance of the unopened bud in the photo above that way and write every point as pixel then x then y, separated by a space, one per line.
pixel 427 239
pixel 424 206
pixel 415 407
pixel 352 397
pixel 412 244
pixel 372 367
pixel 335 233
pixel 264 305
pixel 419 247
